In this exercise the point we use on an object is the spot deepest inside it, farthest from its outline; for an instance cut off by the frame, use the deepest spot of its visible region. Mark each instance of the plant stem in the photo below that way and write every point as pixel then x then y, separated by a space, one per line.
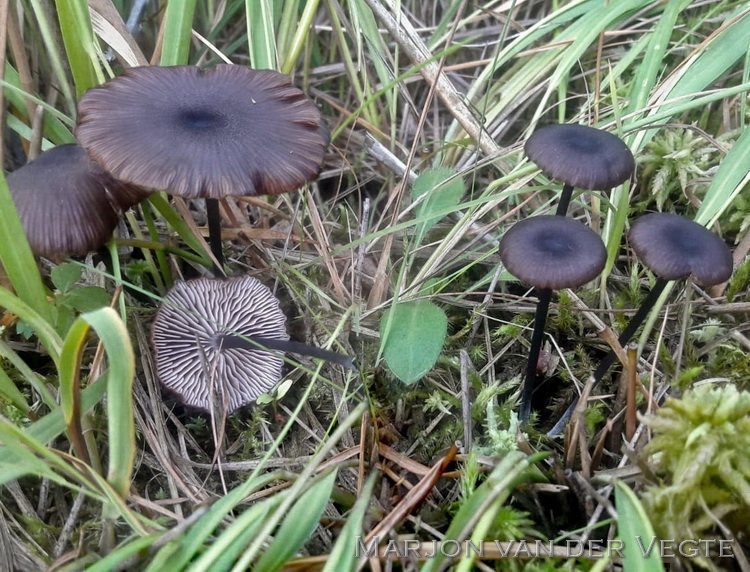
pixel 624 338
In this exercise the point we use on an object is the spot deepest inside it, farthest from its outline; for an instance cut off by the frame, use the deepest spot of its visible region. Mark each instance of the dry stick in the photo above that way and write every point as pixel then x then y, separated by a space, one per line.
pixel 630 418
pixel 624 338
pixel 466 399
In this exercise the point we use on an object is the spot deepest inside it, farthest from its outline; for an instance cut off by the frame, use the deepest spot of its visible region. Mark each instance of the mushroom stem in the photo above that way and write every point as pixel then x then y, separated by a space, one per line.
pixel 255 342
pixel 609 359
pixel 214 232
pixel 540 318
pixel 565 197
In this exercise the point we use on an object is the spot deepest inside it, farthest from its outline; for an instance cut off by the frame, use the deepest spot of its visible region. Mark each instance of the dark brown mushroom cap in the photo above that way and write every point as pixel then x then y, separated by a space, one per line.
pixel 188 332
pixel 226 130
pixel 67 204
pixel 552 252
pixel 674 247
pixel 580 156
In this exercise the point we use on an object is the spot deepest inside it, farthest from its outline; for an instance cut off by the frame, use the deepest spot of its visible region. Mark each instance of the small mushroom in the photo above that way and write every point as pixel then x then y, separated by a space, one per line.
pixel 216 132
pixel 549 253
pixel 68 204
pixel 212 339
pixel 580 156
pixel 674 248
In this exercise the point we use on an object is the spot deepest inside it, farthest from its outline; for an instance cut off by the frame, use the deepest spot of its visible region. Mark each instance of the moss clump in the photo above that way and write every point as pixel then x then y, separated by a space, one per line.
pixel 700 451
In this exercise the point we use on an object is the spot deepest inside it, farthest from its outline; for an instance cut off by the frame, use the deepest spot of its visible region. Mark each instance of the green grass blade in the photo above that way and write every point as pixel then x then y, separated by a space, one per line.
pixel 70 391
pixel 42 328
pixel 230 544
pixel 80 44
pixel 177 32
pixel 729 180
pixel 261 35
pixel 54 127
pixel 19 262
pixel 111 330
pixel 30 376
pixel 122 553
pixel 10 392
pixel 192 542
pixel 344 553
pixel 633 525
pixel 52 425
pixel 298 525
pixel 493 492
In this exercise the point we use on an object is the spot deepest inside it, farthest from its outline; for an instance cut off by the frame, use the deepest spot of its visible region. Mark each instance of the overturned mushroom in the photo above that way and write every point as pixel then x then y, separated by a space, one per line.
pixel 212 339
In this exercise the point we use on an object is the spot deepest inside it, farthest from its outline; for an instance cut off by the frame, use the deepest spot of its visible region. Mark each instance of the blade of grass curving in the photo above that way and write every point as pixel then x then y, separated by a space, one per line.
pixel 298 525
pixel 114 335
pixel 10 392
pixel 302 26
pixel 30 376
pixel 19 262
pixel 18 444
pixel 53 53
pixel 494 491
pixel 297 488
pixel 261 34
pixel 54 121
pixel 174 220
pixel 344 553
pixel 230 543
pixel 633 525
pixel 122 553
pixel 179 552
pixel 52 425
pixel 70 390
pixel 731 177
pixel 658 42
pixel 177 32
pixel 80 45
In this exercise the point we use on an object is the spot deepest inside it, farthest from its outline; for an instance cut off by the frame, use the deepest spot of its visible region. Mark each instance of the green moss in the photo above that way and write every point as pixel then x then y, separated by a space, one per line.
pixel 699 451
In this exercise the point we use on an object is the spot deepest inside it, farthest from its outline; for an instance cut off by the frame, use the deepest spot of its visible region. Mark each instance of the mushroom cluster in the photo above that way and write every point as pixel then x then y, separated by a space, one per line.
pixel 578 156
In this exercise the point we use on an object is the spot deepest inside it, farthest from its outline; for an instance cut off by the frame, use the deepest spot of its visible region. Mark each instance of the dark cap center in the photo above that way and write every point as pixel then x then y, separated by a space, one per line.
pixel 553 244
pixel 201 119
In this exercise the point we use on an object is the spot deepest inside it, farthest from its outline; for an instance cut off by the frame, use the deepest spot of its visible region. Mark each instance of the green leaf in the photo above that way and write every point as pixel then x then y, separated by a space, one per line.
pixel 298 525
pixel 412 334
pixel 86 299
pixel 66 275
pixel 633 522
pixel 443 191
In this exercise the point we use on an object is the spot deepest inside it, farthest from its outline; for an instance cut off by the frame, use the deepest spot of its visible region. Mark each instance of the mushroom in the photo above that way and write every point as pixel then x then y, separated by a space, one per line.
pixel 216 132
pixel 580 156
pixel 674 248
pixel 212 338
pixel 67 203
pixel 550 253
